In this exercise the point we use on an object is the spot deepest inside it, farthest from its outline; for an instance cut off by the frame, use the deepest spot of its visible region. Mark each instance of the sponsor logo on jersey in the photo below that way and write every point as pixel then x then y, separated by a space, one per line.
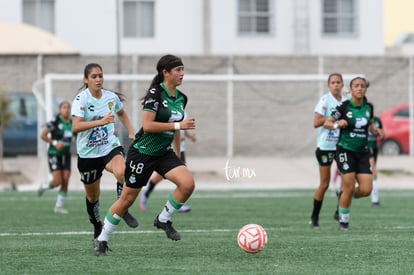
pixel 99 136
pixel 361 122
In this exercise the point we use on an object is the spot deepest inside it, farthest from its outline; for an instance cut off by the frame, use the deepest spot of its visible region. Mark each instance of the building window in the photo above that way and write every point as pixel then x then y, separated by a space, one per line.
pixel 254 16
pixel 139 18
pixel 40 13
pixel 339 17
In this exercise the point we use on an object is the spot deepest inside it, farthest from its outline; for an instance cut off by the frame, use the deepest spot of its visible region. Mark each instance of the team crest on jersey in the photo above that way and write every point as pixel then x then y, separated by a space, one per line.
pixel 324 159
pixel 367 113
pixel 111 106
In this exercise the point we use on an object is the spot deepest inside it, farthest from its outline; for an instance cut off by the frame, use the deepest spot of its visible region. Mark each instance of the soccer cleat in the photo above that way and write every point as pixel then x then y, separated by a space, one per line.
pixel 168 228
pixel 40 191
pixel 336 216
pixel 143 202
pixel 314 224
pixel 60 210
pixel 185 208
pixel 343 226
pixel 376 205
pixel 130 220
pixel 97 229
pixel 100 247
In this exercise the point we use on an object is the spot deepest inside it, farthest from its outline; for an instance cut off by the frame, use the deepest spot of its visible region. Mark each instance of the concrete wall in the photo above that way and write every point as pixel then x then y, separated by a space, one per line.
pixel 270 119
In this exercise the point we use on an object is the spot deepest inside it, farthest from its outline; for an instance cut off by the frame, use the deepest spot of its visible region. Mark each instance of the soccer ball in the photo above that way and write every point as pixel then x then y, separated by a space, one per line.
pixel 252 238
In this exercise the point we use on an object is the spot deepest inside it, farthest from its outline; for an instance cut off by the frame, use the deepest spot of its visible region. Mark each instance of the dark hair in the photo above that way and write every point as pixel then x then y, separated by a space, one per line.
pixel 87 70
pixel 335 74
pixel 359 77
pixel 63 103
pixel 166 62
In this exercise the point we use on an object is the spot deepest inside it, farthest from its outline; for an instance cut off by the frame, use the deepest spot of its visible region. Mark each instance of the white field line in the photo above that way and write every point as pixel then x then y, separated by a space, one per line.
pixel 195 231
pixel 74 233
pixel 230 195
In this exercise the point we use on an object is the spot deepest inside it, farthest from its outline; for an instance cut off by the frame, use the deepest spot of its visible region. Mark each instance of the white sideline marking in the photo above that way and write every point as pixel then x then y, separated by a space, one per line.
pixel 70 233
pixel 75 233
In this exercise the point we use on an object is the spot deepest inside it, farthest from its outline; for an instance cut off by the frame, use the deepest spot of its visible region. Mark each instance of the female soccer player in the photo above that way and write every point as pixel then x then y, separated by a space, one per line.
pixel 162 118
pixel 98 148
pixel 156 178
pixel 58 133
pixel 354 118
pixel 326 143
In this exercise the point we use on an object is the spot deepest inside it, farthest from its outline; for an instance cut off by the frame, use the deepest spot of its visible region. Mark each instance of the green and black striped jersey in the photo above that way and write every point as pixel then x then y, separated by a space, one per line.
pixel 354 137
pixel 61 131
pixel 167 109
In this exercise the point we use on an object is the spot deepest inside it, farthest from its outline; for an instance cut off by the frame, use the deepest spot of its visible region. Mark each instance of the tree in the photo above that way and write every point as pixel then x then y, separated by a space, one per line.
pixel 5 116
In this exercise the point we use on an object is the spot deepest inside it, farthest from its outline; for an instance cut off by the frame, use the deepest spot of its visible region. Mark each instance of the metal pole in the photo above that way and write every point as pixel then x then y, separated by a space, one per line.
pixel 230 87
pixel 118 45
pixel 321 63
pixel 410 104
pixel 135 94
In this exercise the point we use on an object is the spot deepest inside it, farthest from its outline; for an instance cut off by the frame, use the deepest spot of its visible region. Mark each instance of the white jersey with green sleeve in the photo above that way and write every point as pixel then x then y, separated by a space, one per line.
pixel 98 141
pixel 327 139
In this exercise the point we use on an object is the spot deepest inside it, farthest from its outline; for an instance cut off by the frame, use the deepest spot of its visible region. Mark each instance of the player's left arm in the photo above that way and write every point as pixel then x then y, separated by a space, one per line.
pixel 376 131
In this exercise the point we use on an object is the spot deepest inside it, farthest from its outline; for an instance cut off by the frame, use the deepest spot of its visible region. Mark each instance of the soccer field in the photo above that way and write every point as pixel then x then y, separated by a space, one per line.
pixel 34 240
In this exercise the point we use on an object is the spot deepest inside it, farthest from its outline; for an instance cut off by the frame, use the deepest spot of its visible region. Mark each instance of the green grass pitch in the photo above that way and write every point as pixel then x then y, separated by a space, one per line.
pixel 34 240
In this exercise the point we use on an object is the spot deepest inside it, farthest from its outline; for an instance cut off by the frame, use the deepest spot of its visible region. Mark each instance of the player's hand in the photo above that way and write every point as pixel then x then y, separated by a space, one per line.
pixel 108 118
pixel 59 146
pixel 379 132
pixel 187 124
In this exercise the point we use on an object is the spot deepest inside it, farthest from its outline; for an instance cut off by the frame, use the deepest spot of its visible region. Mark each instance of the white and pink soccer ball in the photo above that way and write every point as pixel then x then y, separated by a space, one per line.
pixel 252 238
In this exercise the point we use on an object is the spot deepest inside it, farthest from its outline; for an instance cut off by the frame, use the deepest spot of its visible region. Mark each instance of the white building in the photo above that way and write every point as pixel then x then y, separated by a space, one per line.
pixel 202 27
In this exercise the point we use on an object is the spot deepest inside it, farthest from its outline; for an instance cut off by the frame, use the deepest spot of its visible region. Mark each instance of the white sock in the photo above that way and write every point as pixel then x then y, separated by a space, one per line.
pixel 374 193
pixel 46 185
pixel 109 227
pixel 344 218
pixel 167 212
pixel 61 198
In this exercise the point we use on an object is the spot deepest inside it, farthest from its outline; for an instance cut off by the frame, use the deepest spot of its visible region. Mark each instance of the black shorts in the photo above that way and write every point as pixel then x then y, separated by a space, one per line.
pixel 182 156
pixel 350 161
pixel 139 167
pixel 325 158
pixel 58 163
pixel 91 169
pixel 373 153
